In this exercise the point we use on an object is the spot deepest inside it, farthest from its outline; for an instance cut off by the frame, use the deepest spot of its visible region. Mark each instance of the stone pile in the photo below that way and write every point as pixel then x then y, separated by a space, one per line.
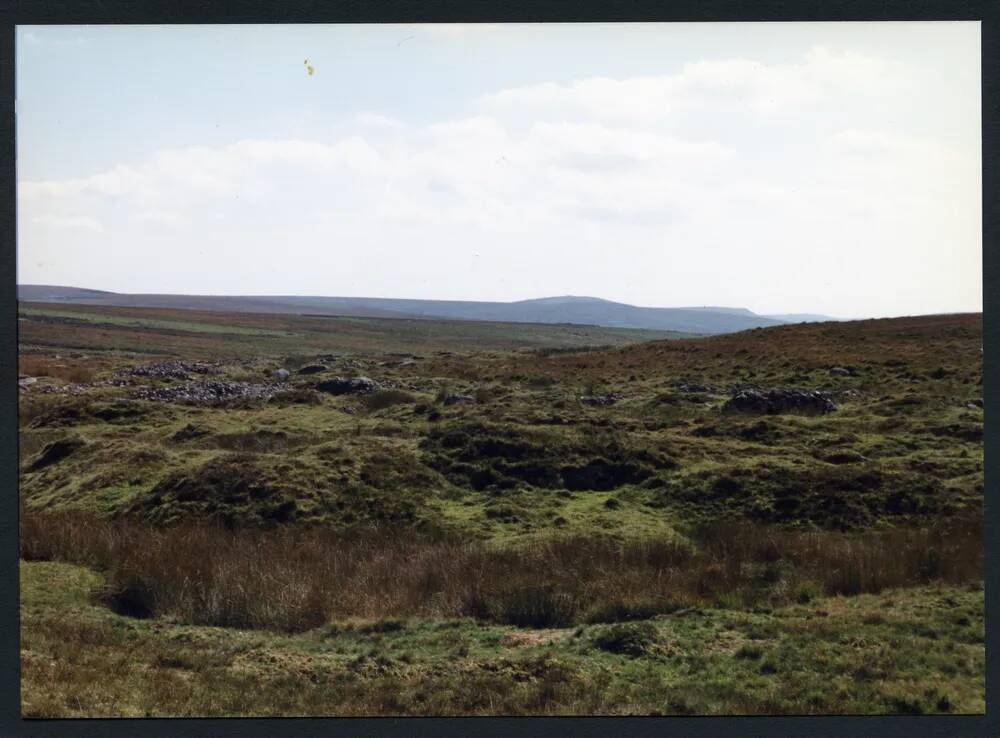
pixel 168 370
pixel 208 392
pixel 776 401
pixel 348 386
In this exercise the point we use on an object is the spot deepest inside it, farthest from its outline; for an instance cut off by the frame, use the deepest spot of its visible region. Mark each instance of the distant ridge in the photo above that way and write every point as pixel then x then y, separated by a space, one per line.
pixel 569 309
pixel 802 318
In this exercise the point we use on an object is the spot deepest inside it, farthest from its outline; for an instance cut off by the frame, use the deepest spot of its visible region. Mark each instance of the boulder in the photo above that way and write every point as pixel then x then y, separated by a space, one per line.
pixel 776 401
pixel 348 386
pixel 839 371
pixel 282 375
pixel 313 369
pixel 25 382
pixel 456 399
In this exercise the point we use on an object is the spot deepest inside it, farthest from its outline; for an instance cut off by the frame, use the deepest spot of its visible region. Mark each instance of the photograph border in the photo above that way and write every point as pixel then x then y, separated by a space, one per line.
pixel 41 12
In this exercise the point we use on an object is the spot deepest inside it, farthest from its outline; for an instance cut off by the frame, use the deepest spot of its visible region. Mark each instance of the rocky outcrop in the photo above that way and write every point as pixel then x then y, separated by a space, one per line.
pixel 348 386
pixel 778 401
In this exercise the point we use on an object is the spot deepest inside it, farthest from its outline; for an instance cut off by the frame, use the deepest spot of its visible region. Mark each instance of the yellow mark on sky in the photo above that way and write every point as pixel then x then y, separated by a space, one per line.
pixel 309 69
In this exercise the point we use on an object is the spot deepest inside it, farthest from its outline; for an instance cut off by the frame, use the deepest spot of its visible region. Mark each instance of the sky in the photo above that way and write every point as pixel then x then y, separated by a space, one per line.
pixel 827 168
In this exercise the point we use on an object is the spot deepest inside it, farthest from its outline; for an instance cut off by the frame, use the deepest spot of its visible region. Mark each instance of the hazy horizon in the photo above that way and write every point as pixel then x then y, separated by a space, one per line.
pixel 784 168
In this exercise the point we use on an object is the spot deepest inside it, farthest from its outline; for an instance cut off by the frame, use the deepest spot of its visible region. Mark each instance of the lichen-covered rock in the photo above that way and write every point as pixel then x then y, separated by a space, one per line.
pixel 777 401
pixel 348 386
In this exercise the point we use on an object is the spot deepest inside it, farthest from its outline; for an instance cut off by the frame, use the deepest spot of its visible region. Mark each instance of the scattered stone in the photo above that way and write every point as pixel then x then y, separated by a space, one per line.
pixel 601 400
pixel 313 369
pixel 65 389
pixel 839 371
pixel 168 370
pixel 348 386
pixel 775 401
pixel 25 382
pixel 282 375
pixel 975 403
pixel 456 399
pixel 208 392
pixel 695 388
pixel 848 394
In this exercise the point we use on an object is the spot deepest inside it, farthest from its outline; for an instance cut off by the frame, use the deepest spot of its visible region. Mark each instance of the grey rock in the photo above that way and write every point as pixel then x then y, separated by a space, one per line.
pixel 839 371
pixel 282 375
pixel 456 399
pixel 208 393
pixel 777 401
pixel 168 369
pixel 348 386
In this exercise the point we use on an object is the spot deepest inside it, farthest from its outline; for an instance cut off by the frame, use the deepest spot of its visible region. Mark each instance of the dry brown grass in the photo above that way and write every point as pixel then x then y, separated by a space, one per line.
pixel 920 342
pixel 47 366
pixel 298 579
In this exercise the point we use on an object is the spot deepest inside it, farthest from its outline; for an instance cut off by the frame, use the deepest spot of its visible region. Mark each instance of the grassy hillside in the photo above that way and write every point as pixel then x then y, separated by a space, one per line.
pixel 903 651
pixel 542 490
pixel 195 333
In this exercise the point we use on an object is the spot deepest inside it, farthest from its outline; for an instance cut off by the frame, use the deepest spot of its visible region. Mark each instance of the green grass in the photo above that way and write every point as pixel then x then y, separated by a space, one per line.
pixel 919 650
pixel 197 333
pixel 904 451
pixel 148 324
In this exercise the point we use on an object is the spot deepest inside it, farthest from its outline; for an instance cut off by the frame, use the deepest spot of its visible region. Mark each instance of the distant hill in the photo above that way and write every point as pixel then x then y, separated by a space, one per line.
pixel 802 318
pixel 569 309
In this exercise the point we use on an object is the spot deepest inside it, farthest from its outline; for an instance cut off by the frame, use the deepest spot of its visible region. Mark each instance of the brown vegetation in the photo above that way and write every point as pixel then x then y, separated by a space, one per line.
pixel 296 580
pixel 47 366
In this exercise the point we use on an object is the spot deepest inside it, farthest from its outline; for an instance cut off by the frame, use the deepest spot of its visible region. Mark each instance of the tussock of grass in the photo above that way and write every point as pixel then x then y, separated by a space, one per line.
pixel 299 579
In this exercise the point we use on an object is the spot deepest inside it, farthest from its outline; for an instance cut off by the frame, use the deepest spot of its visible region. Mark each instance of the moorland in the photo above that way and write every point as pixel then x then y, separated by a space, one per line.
pixel 250 514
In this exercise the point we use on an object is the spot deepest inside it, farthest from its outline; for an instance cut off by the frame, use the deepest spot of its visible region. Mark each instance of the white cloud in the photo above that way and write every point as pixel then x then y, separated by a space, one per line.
pixel 733 85
pixel 68 222
pixel 377 121
pixel 46 37
pixel 644 189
